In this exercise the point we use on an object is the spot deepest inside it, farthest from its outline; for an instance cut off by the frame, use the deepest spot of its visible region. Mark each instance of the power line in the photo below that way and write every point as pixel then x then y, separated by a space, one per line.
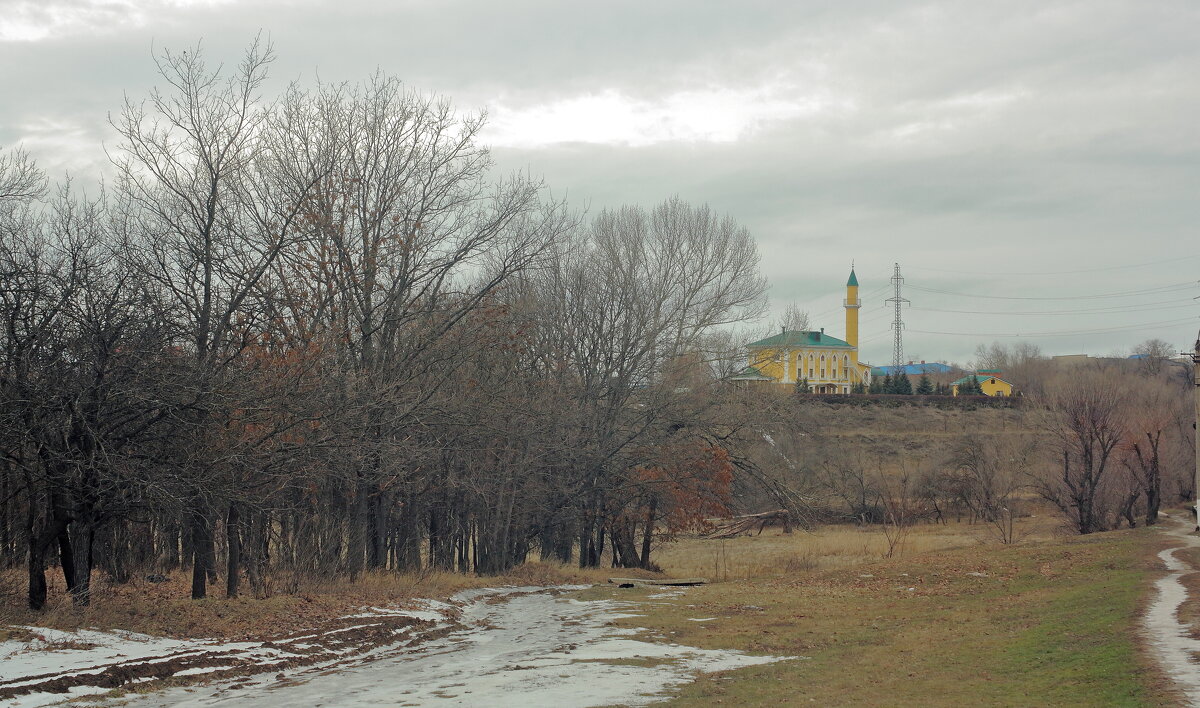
pixel 1128 293
pixel 1117 309
pixel 874 315
pixel 872 338
pixel 830 312
pixel 1060 272
pixel 1061 334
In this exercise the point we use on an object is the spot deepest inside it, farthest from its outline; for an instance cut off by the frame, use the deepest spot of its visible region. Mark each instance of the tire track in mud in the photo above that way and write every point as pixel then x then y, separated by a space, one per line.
pixel 518 648
pixel 1170 640
pixel 515 647
pixel 335 643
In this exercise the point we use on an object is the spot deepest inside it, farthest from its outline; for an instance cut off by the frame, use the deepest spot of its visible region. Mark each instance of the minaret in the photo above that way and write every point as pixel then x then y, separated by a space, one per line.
pixel 852 305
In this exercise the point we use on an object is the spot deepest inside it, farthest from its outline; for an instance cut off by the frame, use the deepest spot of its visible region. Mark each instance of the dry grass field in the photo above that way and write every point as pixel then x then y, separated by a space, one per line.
pixel 953 619
pixel 775 554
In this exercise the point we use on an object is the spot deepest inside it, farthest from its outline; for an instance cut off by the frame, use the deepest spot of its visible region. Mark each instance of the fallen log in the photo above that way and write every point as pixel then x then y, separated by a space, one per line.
pixel 643 582
pixel 748 523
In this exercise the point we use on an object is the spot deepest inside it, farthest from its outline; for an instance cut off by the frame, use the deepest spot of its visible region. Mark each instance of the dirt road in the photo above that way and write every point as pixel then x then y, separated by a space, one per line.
pixel 1169 639
pixel 520 647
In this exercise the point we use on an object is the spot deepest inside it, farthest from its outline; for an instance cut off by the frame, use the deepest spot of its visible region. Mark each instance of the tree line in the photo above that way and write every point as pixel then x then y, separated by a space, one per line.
pixel 318 334
pixel 1103 443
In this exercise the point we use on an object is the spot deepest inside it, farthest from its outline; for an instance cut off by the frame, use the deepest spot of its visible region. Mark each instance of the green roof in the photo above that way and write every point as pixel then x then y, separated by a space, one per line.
pixel 751 373
pixel 979 378
pixel 853 279
pixel 801 339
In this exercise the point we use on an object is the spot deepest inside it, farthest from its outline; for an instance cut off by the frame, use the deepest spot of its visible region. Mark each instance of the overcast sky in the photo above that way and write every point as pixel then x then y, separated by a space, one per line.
pixel 1033 166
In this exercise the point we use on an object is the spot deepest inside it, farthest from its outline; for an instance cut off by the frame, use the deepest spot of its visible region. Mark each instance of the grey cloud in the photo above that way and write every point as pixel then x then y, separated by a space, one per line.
pixel 983 137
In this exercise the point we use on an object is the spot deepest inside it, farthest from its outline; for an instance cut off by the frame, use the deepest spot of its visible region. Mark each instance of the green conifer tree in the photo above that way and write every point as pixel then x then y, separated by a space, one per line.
pixel 902 385
pixel 803 387
pixel 924 386
pixel 888 385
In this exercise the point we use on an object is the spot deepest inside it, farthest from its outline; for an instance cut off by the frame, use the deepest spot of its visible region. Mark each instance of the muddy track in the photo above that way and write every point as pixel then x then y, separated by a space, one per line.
pixel 336 643
pixel 518 648
pixel 1170 639
pixel 500 647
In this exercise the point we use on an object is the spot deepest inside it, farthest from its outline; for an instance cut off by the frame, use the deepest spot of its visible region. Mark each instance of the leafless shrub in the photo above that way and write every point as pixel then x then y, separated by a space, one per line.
pixel 899 504
pixel 990 475
pixel 1087 413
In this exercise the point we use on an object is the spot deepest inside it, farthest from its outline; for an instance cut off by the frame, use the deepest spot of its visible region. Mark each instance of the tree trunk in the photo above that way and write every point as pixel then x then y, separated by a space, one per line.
pixel 8 549
pixel 66 557
pixel 258 554
pixel 588 558
pixel 648 533
pixel 625 553
pixel 37 572
pixel 376 530
pixel 408 533
pixel 1153 481
pixel 356 544
pixel 200 554
pixel 117 555
pixel 234 558
pixel 84 532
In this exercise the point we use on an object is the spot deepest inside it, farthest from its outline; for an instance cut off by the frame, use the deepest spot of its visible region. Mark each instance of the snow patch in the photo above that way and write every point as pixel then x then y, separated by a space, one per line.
pixel 520 648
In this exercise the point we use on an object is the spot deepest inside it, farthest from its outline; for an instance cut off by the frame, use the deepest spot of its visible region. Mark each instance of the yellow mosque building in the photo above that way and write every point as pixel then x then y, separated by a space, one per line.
pixel 828 364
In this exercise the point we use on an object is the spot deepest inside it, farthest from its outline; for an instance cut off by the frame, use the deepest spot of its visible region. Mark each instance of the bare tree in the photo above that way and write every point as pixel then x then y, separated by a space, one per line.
pixel 1154 407
pixel 1087 410
pixel 897 498
pixel 794 319
pixel 990 475
pixel 1022 363
pixel 406 236
pixel 319 336
pixel 1153 354
pixel 21 180
pixel 634 291
pixel 850 481
pixel 206 225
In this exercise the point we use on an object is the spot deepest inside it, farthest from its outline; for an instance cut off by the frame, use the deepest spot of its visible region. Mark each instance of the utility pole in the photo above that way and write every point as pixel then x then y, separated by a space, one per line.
pixel 1196 425
pixel 897 323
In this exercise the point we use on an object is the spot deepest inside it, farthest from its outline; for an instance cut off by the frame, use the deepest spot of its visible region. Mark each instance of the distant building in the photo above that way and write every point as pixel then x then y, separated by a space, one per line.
pixel 1069 358
pixel 989 382
pixel 828 364
pixel 913 369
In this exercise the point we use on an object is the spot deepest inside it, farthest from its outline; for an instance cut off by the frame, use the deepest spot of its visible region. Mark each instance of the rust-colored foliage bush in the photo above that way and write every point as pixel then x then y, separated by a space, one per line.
pixel 692 485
